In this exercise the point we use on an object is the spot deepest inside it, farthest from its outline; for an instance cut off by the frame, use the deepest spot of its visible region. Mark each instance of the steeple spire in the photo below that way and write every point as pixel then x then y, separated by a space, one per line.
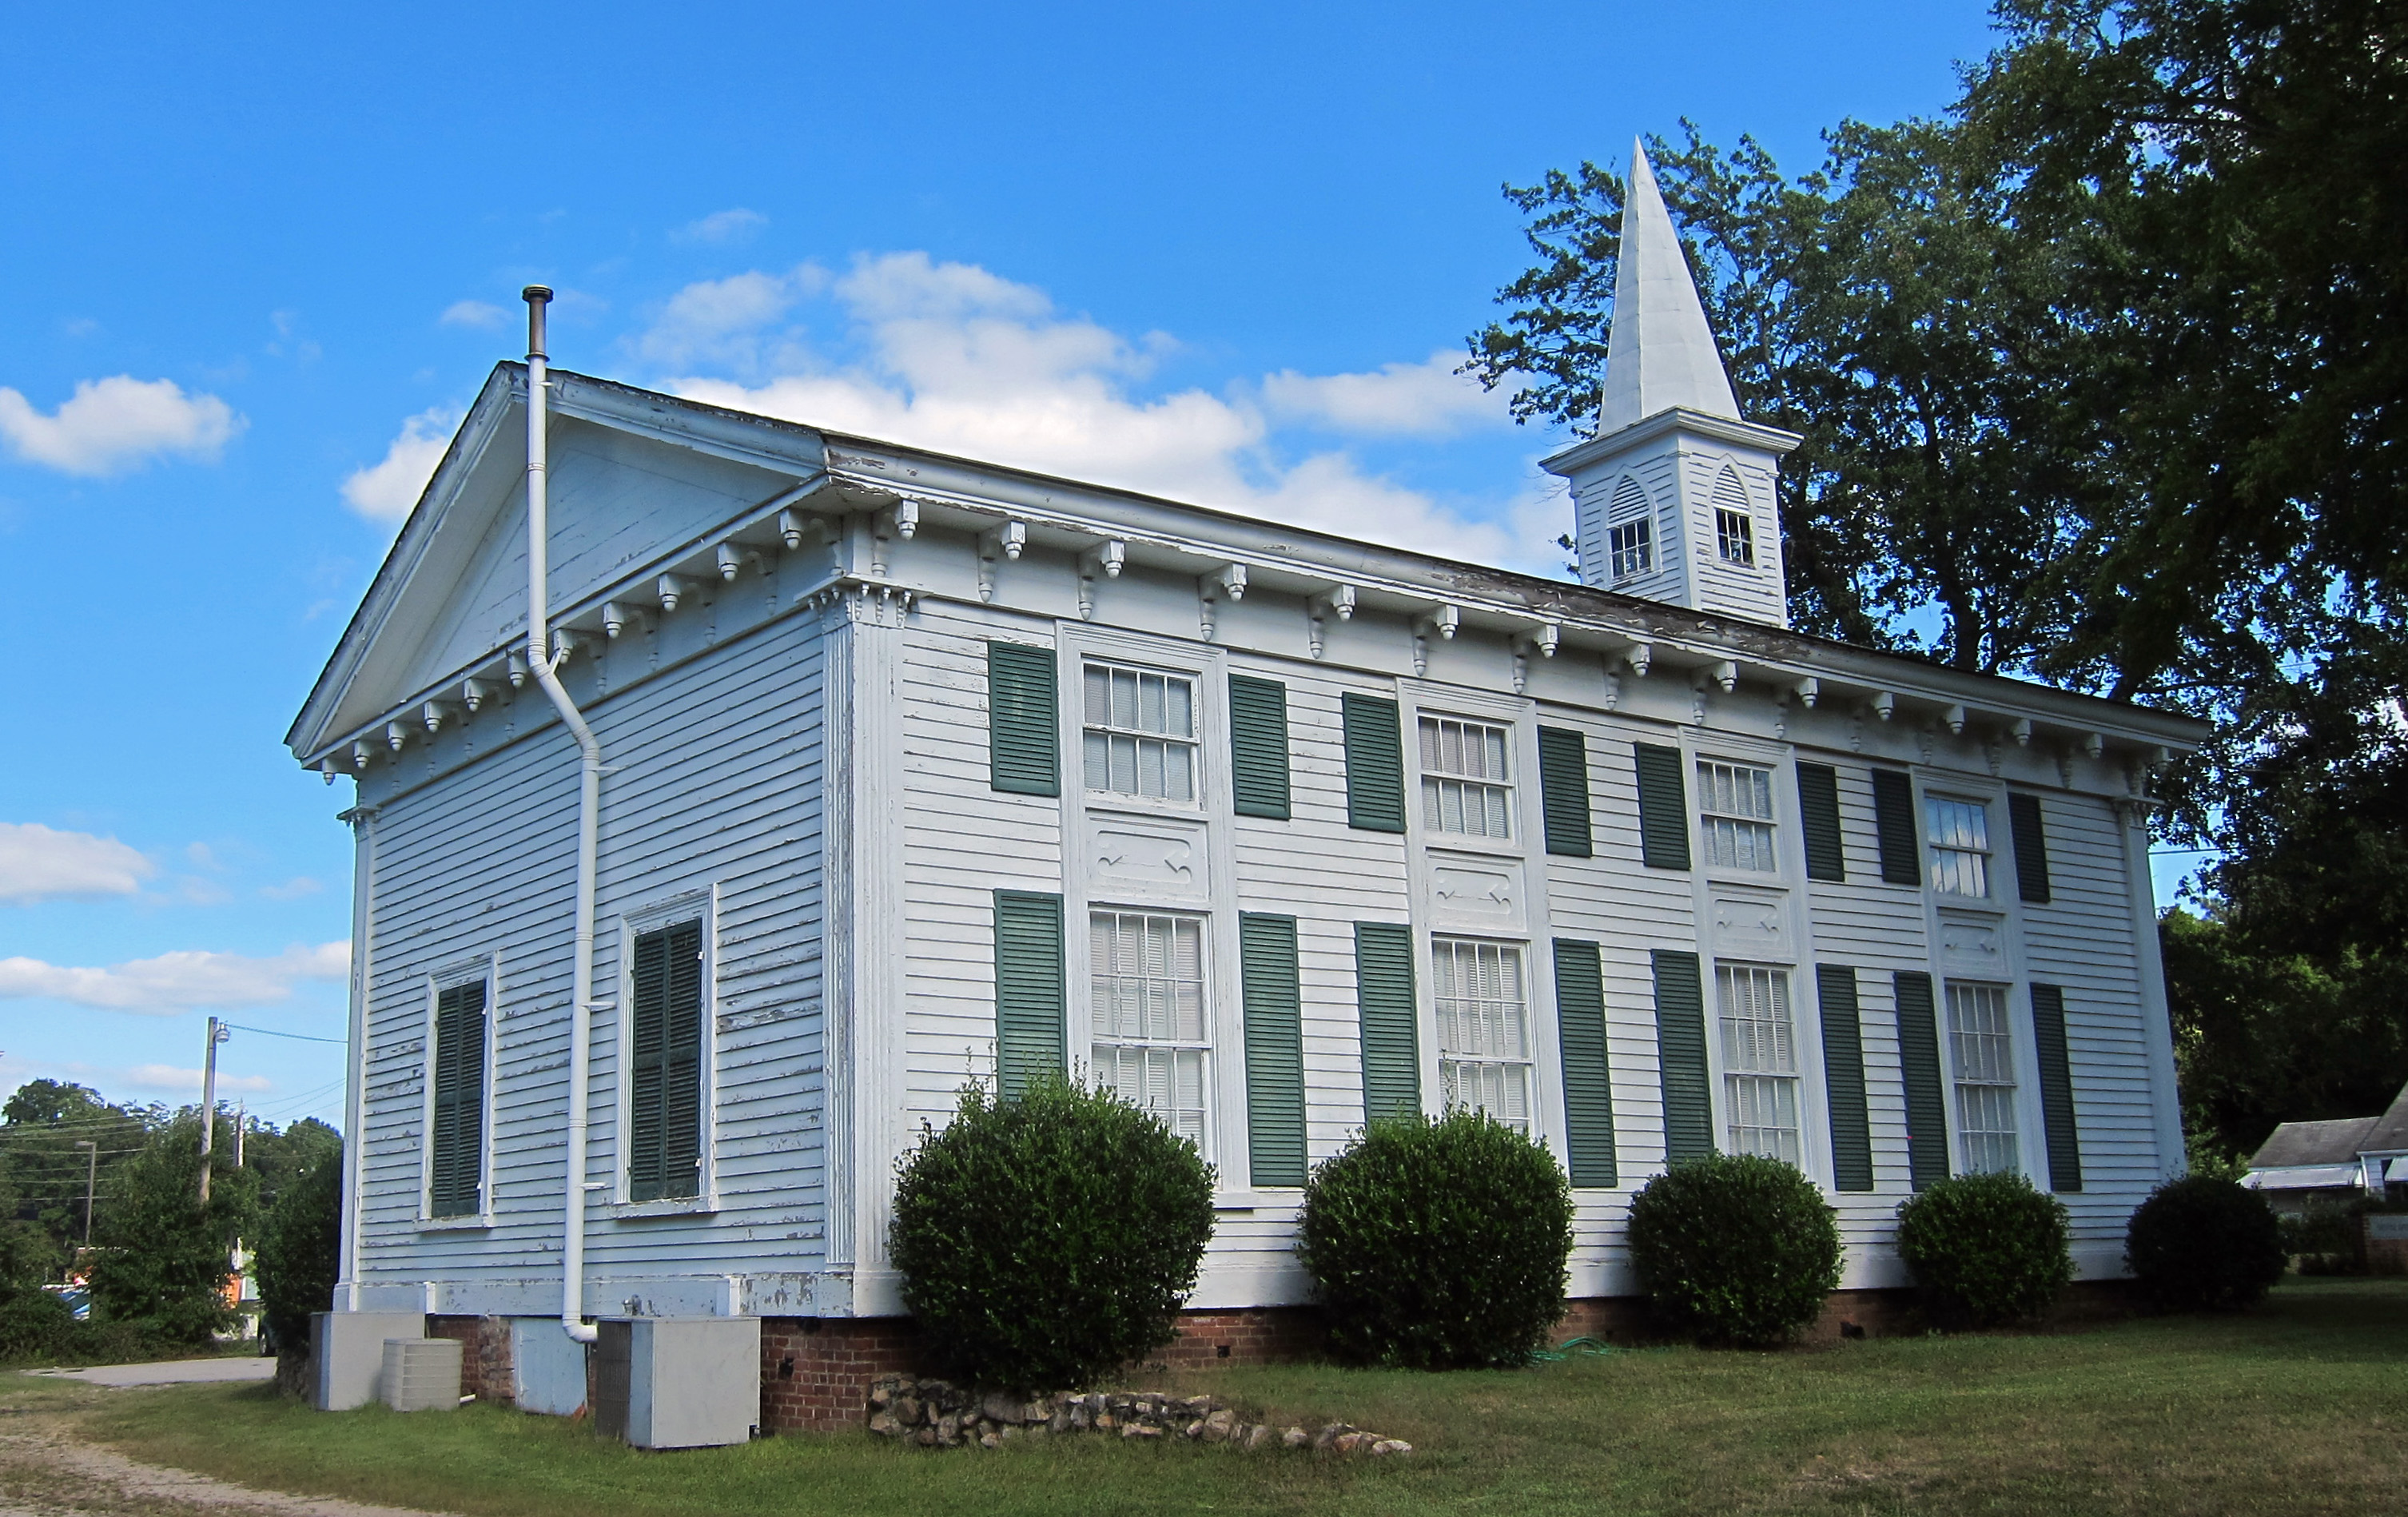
pixel 1660 354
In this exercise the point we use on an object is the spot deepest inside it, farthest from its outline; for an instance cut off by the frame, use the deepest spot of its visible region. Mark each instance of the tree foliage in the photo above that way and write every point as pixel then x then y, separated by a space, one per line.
pixel 300 1243
pixel 163 1261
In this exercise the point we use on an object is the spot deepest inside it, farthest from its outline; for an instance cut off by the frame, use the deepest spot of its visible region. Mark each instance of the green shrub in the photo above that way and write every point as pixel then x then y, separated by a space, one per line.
pixel 298 1250
pixel 165 1259
pixel 2201 1243
pixel 1437 1244
pixel 1735 1249
pixel 1050 1237
pixel 1985 1248
pixel 34 1324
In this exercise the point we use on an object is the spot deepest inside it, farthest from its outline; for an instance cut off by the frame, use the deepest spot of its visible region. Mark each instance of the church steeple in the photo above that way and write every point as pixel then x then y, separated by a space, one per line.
pixel 1675 494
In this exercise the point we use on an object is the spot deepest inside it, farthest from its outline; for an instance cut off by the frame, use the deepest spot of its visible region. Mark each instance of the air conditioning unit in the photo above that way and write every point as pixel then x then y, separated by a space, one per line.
pixel 676 1382
pixel 421 1374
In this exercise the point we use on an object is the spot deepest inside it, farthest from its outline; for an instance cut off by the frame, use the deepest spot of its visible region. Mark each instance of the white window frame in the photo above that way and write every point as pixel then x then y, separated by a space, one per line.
pixel 1765 828
pixel 1432 784
pixel 1199 690
pixel 667 911
pixel 1203 1045
pixel 487 968
pixel 2004 1075
pixel 1735 526
pixel 1756 1074
pixel 1936 853
pixel 1631 548
pixel 1453 1057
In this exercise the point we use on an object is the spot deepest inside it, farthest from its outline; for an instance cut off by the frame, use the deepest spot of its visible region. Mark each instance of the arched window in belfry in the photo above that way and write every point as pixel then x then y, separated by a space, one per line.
pixel 1630 531
pixel 1734 522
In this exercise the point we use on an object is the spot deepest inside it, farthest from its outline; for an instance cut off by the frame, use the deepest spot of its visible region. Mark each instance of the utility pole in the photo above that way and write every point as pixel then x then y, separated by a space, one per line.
pixel 219 1033
pixel 240 1122
pixel 91 1179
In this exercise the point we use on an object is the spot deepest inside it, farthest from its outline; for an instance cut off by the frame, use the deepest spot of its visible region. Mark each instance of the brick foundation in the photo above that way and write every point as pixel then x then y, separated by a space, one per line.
pixel 484 1356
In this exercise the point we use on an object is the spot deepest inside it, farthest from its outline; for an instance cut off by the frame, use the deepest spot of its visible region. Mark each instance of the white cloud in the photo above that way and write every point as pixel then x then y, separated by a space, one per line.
pixel 730 225
pixel 176 982
pixel 293 889
pixel 959 360
pixel 167 1076
pixel 110 426
pixel 729 323
pixel 1424 399
pixel 472 313
pixel 385 492
pixel 39 864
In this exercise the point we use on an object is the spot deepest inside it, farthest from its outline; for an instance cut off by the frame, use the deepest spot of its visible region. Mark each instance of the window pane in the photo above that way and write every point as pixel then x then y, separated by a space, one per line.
pixel 1960 845
pixel 1466 788
pixel 1735 815
pixel 1759 1062
pixel 1981 1041
pixel 1140 732
pixel 1483 1028
pixel 1147 976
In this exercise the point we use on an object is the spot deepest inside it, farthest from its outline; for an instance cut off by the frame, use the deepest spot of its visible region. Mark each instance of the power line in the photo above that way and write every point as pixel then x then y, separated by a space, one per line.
pixel 270 1032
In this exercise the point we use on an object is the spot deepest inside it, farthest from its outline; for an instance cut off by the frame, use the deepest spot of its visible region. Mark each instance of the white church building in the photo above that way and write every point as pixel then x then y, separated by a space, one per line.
pixel 866 771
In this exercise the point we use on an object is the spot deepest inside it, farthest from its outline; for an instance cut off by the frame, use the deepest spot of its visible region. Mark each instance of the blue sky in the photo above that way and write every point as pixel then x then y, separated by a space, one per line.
pixel 256 264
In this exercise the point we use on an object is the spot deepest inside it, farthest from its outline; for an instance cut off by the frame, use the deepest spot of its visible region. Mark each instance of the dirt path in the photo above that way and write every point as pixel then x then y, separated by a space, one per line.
pixel 44 1472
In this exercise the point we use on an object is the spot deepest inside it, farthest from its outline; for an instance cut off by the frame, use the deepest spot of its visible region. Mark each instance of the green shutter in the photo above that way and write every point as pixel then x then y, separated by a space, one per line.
pixel 1274 1008
pixel 665 1065
pixel 1843 1078
pixel 455 1150
pixel 1588 1081
pixel 1901 851
pixel 2032 848
pixel 1384 992
pixel 1563 790
pixel 1022 726
pixel 2056 1089
pixel 1663 807
pixel 1818 821
pixel 1918 1055
pixel 1375 764
pixel 1681 1056
pixel 1259 746
pixel 1030 1036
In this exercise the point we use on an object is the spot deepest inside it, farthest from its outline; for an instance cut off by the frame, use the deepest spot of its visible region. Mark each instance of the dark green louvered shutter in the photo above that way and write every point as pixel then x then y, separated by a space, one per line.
pixel 1588 1078
pixel 1918 1054
pixel 1274 1008
pixel 1383 992
pixel 456 1156
pixel 1681 1056
pixel 1375 764
pixel 1901 851
pixel 2056 1089
pixel 1663 807
pixel 1843 1078
pixel 2031 847
pixel 1563 789
pixel 1030 1036
pixel 1818 822
pixel 1023 723
pixel 665 1065
pixel 1258 747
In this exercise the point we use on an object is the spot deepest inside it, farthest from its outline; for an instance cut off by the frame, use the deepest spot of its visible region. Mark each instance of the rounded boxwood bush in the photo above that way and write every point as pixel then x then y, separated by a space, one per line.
pixel 2200 1244
pixel 1732 1248
pixel 1437 1244
pixel 1986 1249
pixel 1049 1237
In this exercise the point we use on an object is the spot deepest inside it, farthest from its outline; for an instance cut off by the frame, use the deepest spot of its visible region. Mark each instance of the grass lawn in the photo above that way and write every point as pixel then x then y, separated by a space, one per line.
pixel 2300 1407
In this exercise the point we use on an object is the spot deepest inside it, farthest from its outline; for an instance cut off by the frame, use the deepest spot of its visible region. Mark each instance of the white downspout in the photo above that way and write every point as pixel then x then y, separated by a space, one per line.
pixel 544 662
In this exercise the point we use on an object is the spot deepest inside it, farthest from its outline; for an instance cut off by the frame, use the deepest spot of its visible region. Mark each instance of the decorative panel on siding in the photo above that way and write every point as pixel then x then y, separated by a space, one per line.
pixel 1919 1054
pixel 1024 732
pixel 1028 988
pixel 1563 785
pixel 1901 851
pixel 1383 981
pixel 2031 847
pixel 456 1152
pixel 1663 807
pixel 1843 1078
pixel 1375 764
pixel 1681 1056
pixel 665 1065
pixel 1258 747
pixel 1588 1082
pixel 1818 822
pixel 1274 1008
pixel 2055 1088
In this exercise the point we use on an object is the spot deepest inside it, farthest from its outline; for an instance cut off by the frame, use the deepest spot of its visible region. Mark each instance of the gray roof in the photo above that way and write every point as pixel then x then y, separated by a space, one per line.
pixel 2314 1143
pixel 2390 1129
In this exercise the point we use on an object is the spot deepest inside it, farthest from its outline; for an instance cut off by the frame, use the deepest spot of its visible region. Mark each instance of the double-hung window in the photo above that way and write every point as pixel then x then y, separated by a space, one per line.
pixel 1140 732
pixel 1151 1043
pixel 1735 537
pixel 1759 1062
pixel 1981 1040
pixel 1735 814
pixel 664 1065
pixel 1632 547
pixel 1960 845
pixel 456 1143
pixel 1483 1028
pixel 1467 783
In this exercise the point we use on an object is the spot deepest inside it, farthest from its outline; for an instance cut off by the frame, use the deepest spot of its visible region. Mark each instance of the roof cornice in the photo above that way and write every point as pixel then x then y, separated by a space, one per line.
pixel 1579 456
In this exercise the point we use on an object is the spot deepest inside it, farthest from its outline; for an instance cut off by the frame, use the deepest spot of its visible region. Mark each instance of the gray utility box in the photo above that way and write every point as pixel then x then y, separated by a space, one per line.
pixel 347 1354
pixel 421 1374
pixel 676 1382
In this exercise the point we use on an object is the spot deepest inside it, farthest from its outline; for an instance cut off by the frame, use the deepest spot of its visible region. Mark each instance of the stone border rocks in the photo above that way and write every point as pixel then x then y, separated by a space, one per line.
pixel 938 1414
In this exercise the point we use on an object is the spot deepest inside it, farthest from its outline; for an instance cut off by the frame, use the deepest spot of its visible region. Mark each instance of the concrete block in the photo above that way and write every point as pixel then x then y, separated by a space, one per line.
pixel 421 1374
pixel 677 1382
pixel 348 1348
pixel 547 1367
